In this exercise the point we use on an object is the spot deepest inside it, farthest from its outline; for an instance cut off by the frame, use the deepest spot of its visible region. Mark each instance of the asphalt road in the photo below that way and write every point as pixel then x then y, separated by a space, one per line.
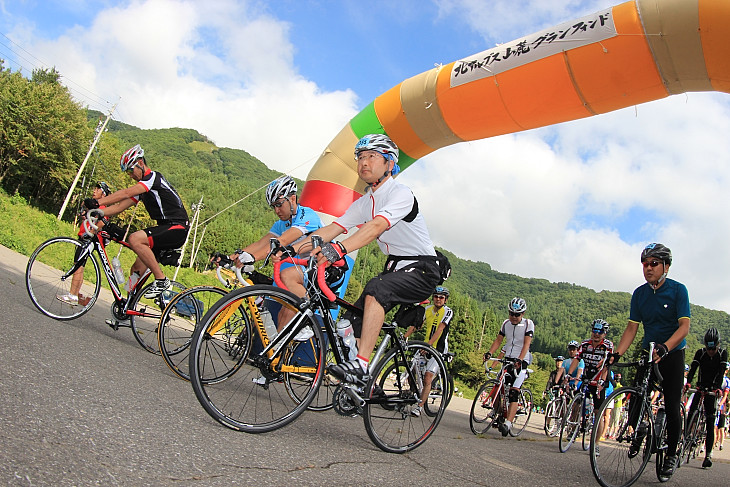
pixel 81 404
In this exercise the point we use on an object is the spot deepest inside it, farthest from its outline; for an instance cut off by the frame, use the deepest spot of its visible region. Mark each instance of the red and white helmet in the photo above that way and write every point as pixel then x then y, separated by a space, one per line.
pixel 129 159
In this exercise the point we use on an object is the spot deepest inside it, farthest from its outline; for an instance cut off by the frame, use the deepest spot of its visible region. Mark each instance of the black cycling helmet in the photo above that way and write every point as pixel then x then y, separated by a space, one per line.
pixel 104 188
pixel 559 358
pixel 712 338
pixel 658 251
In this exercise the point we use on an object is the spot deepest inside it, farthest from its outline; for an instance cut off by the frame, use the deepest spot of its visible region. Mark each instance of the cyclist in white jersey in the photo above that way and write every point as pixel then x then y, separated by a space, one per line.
pixel 387 212
pixel 516 333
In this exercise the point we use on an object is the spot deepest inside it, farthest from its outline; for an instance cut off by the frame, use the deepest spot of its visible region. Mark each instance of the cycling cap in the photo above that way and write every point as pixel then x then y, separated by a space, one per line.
pixel 129 159
pixel 599 326
pixel 573 344
pixel 441 290
pixel 559 357
pixel 283 187
pixel 712 337
pixel 659 251
pixel 517 305
pixel 104 188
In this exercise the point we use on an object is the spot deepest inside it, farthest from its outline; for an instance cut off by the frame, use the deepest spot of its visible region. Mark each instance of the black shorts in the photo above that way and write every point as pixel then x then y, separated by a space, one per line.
pixel 168 236
pixel 411 284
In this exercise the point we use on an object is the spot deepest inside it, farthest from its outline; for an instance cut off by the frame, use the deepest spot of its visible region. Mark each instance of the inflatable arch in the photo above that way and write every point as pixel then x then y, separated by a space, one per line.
pixel 635 52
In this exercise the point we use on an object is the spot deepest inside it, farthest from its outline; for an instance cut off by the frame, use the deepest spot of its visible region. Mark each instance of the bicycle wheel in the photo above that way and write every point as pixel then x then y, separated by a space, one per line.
pixel 693 436
pixel 524 411
pixel 661 443
pixel 396 428
pixel 571 423
pixel 144 325
pixel 623 457
pixel 552 418
pixel 235 382
pixel 590 424
pixel 441 390
pixel 48 277
pixel 177 324
pixel 486 407
pixel 298 384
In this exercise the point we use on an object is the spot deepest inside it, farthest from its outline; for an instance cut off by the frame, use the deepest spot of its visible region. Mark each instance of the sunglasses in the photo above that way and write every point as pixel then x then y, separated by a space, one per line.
pixel 279 203
pixel 599 332
pixel 653 263
pixel 515 314
pixel 439 296
pixel 711 348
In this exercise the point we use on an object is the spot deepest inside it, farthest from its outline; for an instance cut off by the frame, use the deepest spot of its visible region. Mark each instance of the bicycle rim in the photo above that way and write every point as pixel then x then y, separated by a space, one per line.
pixel 590 424
pixel 571 424
pixel 298 385
pixel 615 466
pixel 394 429
pixel 441 391
pixel 237 385
pixel 144 326
pixel 178 322
pixel 484 408
pixel 524 411
pixel 45 279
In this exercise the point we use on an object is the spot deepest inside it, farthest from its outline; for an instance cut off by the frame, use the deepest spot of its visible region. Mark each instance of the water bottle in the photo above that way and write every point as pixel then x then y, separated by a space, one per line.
pixel 268 320
pixel 344 329
pixel 132 281
pixel 118 272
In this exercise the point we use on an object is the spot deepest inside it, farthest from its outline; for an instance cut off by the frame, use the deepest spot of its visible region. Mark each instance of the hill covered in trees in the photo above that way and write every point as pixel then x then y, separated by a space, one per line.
pixel 46 135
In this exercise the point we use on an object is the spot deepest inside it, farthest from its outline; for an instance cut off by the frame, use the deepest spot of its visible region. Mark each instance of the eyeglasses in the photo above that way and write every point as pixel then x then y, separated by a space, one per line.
pixel 515 314
pixel 279 203
pixel 439 296
pixel 652 263
pixel 362 156
pixel 599 332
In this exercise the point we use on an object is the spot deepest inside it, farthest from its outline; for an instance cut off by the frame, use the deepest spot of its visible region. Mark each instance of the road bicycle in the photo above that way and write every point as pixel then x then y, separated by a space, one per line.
pixel 696 428
pixel 185 310
pixel 49 273
pixel 558 398
pixel 579 416
pixel 641 432
pixel 490 403
pixel 262 390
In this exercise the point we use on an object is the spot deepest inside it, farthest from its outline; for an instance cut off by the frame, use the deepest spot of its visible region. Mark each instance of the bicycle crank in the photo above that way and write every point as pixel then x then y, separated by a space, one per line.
pixel 343 403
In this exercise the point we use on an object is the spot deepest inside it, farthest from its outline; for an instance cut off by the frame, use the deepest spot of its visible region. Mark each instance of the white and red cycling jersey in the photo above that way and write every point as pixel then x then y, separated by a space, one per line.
pixel 594 356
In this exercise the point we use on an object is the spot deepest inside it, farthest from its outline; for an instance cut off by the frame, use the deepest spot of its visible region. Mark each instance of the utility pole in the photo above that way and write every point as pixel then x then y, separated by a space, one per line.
pixel 99 130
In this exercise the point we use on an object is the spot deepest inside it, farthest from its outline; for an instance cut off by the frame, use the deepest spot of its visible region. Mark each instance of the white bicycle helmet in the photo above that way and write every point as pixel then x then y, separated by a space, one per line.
pixel 282 187
pixel 517 305
pixel 129 159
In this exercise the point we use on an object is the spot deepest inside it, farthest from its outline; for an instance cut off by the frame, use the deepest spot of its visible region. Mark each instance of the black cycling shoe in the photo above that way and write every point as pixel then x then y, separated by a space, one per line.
pixel 638 440
pixel 670 463
pixel 707 463
pixel 350 372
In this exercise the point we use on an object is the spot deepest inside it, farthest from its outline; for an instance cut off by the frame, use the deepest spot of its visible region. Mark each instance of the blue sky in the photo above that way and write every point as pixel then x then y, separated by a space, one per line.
pixel 574 202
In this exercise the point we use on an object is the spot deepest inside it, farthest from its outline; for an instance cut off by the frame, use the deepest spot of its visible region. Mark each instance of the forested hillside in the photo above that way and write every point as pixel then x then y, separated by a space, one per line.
pixel 45 136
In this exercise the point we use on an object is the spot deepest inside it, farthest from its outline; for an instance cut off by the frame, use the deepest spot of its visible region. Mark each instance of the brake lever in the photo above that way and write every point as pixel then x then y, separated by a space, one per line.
pixel 273 245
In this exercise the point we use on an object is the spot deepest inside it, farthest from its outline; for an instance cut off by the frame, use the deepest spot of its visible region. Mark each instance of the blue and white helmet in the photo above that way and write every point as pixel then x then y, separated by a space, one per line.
pixel 382 144
pixel 600 326
pixel 517 305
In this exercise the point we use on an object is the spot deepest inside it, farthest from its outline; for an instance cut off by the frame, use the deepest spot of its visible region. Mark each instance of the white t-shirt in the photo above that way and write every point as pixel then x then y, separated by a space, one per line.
pixel 514 336
pixel 393 202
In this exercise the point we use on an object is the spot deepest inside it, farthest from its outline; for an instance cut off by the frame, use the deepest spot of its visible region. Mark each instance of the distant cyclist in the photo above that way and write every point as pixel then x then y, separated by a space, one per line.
pixel 163 205
pixel 73 297
pixel 662 305
pixel 516 333
pixel 594 352
pixel 553 379
pixel 573 379
pixel 711 361
pixel 437 320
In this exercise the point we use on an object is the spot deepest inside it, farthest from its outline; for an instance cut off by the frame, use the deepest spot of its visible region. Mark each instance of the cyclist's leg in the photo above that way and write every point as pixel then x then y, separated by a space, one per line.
pixel 672 369
pixel 139 243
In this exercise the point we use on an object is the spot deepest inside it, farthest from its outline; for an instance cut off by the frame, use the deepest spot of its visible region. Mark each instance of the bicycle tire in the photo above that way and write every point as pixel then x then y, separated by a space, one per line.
pixel 435 398
pixel 44 278
pixel 144 327
pixel 237 385
pixel 296 384
pixel 485 408
pixel 396 429
pixel 693 435
pixel 590 424
pixel 523 414
pixel 571 424
pixel 178 322
pixel 552 418
pixel 614 467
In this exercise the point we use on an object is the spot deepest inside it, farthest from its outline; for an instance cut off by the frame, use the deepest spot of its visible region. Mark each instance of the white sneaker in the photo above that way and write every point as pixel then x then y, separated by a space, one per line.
pixel 260 380
pixel 115 324
pixel 416 412
pixel 158 287
pixel 68 298
pixel 304 335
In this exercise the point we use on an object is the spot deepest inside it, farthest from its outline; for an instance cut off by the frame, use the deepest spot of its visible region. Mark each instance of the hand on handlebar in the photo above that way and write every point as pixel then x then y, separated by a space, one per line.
pixel 244 261
pixel 91 203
